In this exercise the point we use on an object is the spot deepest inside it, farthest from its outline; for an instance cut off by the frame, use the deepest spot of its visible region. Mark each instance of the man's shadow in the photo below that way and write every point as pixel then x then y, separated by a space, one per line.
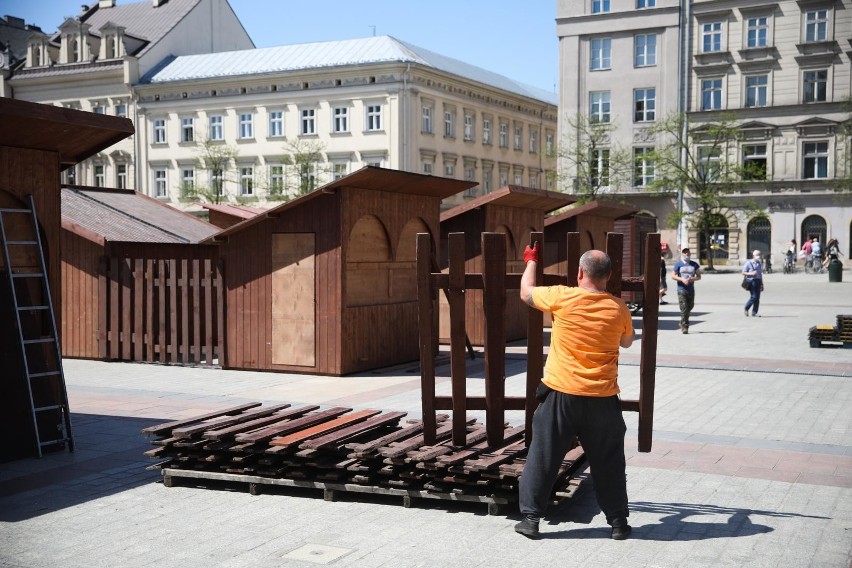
pixel 675 522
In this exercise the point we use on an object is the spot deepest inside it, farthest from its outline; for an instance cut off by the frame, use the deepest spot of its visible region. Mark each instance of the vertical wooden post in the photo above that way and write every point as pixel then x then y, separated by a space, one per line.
pixel 173 311
pixel 494 302
pixel 138 306
pixel 648 356
pixel 425 312
pixel 161 310
pixel 220 311
pixel 150 283
pixel 456 301
pixel 126 309
pixel 184 310
pixel 103 307
pixel 196 312
pixel 572 257
pixel 208 311
pixel 615 250
pixel 535 345
pixel 114 309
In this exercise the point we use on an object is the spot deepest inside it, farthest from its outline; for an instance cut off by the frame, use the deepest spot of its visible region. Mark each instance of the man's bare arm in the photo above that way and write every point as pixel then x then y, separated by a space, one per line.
pixel 627 340
pixel 528 283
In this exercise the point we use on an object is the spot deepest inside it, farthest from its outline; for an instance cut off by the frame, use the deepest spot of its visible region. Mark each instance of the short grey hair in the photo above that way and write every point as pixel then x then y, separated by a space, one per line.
pixel 596 264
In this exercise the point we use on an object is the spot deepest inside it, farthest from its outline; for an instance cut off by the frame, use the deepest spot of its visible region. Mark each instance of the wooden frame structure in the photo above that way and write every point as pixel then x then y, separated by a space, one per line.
pixel 494 281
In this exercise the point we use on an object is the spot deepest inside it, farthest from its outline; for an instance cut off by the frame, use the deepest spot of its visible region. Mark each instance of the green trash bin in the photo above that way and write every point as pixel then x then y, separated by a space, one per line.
pixel 835 271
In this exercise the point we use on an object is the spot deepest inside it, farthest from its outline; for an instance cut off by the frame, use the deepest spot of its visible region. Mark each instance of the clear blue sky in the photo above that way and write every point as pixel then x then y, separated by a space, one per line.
pixel 515 39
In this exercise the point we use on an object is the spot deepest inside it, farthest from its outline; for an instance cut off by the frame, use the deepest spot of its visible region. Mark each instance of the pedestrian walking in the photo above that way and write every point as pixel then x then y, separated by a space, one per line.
pixel 686 273
pixel 664 287
pixel 753 272
pixel 578 394
pixel 807 249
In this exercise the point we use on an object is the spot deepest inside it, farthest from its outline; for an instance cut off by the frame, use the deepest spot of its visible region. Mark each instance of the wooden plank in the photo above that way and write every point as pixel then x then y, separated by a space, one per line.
pixel 209 292
pixel 615 251
pixel 336 438
pixel 330 426
pixel 149 309
pixel 191 430
pixel 184 311
pixel 535 343
pixel 456 300
pixel 291 425
pixel 161 310
pixel 494 302
pixel 293 299
pixel 103 308
pixel 220 312
pixel 460 456
pixel 231 431
pixel 138 309
pixel 648 355
pixel 125 267
pixel 166 428
pixel 431 452
pixel 480 403
pixel 114 309
pixel 196 311
pixel 173 311
pixel 426 314
pixel 572 252
pixel 402 448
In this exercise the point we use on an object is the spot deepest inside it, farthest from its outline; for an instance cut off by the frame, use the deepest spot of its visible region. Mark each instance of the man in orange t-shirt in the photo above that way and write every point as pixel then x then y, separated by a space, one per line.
pixel 579 392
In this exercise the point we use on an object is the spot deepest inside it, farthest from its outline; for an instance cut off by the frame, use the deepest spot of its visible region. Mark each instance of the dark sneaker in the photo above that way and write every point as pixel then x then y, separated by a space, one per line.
pixel 528 527
pixel 620 529
pixel 746 313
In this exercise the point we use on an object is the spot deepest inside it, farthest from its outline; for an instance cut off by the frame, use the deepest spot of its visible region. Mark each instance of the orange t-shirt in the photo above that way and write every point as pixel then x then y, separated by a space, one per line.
pixel 585 338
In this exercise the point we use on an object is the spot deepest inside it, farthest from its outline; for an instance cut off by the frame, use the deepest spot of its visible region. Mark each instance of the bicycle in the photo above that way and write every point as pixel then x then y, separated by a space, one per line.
pixel 789 263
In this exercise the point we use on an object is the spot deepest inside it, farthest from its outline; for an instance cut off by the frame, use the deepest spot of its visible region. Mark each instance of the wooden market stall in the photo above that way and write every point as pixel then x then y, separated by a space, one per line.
pixel 136 283
pixel 225 215
pixel 634 228
pixel 515 211
pixel 326 283
pixel 36 143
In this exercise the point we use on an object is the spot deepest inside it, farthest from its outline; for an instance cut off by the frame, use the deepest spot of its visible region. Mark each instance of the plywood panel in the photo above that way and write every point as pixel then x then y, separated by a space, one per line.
pixel 293 299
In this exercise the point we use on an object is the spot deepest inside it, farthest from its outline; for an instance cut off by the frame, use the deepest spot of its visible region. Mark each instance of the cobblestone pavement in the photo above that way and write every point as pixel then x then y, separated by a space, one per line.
pixel 751 463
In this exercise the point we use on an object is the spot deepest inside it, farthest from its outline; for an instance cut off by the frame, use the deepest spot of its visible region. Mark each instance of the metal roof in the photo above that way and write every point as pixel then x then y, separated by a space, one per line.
pixel 128 216
pixel 514 196
pixel 340 53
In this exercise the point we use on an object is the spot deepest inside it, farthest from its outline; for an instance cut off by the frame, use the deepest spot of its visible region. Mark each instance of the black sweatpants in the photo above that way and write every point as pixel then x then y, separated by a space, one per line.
pixel 599 424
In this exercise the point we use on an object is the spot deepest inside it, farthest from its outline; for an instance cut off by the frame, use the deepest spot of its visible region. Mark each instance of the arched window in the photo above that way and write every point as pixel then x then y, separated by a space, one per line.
pixel 759 237
pixel 813 226
pixel 719 238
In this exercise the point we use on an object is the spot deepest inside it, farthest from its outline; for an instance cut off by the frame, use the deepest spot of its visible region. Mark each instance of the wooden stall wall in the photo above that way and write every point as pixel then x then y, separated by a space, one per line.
pixel 161 303
pixel 81 305
pixel 248 256
pixel 379 316
pixel 634 229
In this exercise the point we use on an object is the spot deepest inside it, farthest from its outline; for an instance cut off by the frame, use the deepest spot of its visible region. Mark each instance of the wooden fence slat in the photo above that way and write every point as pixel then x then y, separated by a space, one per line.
pixel 114 309
pixel 196 312
pixel 126 314
pixel 426 313
pixel 161 310
pixel 456 300
pixel 648 356
pixel 615 251
pixel 138 308
pixel 494 302
pixel 184 311
pixel 173 311
pixel 220 311
pixel 535 344
pixel 149 309
pixel 208 311
pixel 103 307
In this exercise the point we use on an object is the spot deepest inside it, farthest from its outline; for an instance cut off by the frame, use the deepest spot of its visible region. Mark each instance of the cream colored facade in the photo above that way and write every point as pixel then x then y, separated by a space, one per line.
pixel 782 69
pixel 411 117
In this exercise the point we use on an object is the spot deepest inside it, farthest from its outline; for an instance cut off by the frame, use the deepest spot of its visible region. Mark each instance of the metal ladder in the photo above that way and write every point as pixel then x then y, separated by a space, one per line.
pixel 42 356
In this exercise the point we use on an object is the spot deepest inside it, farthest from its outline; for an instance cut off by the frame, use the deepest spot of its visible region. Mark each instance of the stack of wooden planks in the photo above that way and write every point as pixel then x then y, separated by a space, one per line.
pixel 364 451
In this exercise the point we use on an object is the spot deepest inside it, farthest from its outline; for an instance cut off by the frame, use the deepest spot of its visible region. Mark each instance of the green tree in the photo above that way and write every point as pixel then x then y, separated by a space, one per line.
pixel 843 173
pixel 703 161
pixel 215 158
pixel 307 168
pixel 592 164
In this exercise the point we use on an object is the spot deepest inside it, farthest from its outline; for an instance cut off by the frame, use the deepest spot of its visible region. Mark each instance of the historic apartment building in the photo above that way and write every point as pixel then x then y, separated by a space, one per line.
pixel 189 77
pixel 781 69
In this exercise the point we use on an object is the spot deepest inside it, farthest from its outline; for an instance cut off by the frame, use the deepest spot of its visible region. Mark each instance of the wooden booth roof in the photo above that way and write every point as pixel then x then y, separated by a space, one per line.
pixel 514 196
pixel 608 209
pixel 240 211
pixel 123 215
pixel 371 178
pixel 74 135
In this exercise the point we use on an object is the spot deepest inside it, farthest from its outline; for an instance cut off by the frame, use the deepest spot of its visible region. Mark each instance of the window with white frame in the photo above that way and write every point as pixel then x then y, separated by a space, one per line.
pixel 246 125
pixel 754 161
pixel 309 121
pixel 426 123
pixel 276 179
pixel 600 6
pixel 486 131
pixel 645 50
pixel 601 53
pixel 246 180
pixel 338 170
pixel 504 177
pixel 187 129
pixel 815 87
pixel 599 106
pixel 709 163
pixel 340 119
pixel 815 160
pixel 217 130
pixel 534 180
pixel 428 167
pixel 449 124
pixel 711 37
pixel 100 177
pixel 468 126
pixel 159 131
pixel 757 31
pixel 276 123
pixel 519 137
pixel 816 25
pixel 645 4
pixel 644 105
pixel 756 89
pixel 121 176
pixel 643 171
pixel 449 169
pixel 160 185
pixel 519 178
pixel 600 167
pixel 504 134
pixel 469 173
pixel 374 117
pixel 487 174
pixel 711 94
pixel 187 181
pixel 549 143
pixel 533 140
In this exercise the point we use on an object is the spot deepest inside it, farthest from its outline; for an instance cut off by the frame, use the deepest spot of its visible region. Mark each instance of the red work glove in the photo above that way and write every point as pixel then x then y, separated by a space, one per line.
pixel 532 253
